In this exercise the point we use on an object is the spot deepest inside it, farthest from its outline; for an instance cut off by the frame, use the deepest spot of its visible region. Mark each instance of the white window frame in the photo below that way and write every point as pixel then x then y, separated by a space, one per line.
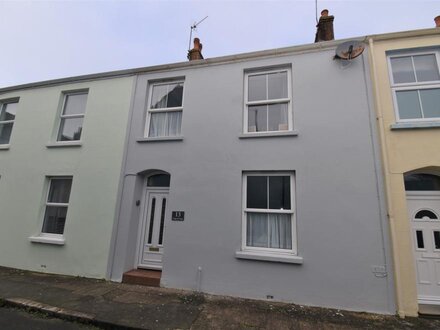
pixel 287 100
pixel 2 105
pixel 46 204
pixel 414 86
pixel 172 109
pixel 292 212
pixel 63 116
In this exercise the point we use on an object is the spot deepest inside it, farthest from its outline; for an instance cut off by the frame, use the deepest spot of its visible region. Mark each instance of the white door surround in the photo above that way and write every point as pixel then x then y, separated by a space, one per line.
pixel 152 223
pixel 424 215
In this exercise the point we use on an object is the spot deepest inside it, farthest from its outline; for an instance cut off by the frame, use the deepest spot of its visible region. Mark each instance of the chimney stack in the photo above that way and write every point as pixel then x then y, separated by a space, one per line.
pixel 324 30
pixel 437 21
pixel 196 52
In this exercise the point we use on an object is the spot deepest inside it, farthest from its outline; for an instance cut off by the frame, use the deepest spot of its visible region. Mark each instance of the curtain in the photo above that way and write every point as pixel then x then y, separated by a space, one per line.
pixel 280 229
pixel 270 230
pixel 165 123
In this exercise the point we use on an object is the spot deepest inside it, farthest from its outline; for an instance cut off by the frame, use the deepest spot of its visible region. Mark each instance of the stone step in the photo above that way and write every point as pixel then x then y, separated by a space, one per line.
pixel 142 277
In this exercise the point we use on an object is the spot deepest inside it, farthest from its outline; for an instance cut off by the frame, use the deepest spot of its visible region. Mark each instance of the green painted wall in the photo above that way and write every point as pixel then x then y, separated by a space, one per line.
pixel 95 167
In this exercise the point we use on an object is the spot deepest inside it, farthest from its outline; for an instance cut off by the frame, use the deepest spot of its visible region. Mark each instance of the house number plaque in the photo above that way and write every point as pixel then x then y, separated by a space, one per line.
pixel 177 215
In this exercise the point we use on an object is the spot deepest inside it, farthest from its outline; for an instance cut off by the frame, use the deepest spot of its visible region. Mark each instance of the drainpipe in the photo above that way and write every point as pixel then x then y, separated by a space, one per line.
pixel 388 199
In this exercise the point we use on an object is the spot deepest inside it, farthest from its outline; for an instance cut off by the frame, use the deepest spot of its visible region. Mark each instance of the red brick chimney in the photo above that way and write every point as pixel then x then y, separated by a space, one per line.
pixel 324 30
pixel 437 21
pixel 196 52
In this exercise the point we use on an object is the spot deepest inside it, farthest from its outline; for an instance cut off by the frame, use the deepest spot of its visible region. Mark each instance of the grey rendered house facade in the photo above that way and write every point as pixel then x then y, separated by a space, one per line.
pixel 61 151
pixel 257 176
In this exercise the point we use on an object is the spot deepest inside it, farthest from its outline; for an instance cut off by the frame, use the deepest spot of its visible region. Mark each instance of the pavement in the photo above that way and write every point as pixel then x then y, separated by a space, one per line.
pixel 16 319
pixel 109 305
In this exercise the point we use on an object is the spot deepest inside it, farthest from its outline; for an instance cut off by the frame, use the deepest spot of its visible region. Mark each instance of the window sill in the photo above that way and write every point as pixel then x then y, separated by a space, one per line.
pixel 290 259
pixel 4 146
pixel 64 144
pixel 48 240
pixel 415 125
pixel 160 139
pixel 265 134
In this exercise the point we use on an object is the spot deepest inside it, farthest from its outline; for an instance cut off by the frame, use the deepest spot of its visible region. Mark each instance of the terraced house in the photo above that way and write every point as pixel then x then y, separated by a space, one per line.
pixel 60 161
pixel 285 174
pixel 406 72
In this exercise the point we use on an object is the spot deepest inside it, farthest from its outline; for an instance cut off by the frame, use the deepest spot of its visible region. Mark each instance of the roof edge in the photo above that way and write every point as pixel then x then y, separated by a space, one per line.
pixel 218 60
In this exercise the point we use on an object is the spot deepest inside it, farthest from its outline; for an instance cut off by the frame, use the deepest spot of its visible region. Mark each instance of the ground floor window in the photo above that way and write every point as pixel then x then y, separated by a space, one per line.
pixel 268 212
pixel 57 202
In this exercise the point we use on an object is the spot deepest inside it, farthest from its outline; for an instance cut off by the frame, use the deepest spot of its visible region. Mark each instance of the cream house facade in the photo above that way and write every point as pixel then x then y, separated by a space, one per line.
pixel 406 78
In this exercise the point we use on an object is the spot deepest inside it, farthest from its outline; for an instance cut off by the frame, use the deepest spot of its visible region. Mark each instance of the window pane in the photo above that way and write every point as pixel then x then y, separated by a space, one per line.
pixel 150 231
pixel 159 180
pixel 423 182
pixel 420 241
pixel 426 68
pixel 70 129
pixel 175 95
pixel 257 230
pixel 408 104
pixel 430 102
pixel 162 220
pixel 5 133
pixel 278 117
pixel 8 111
pixel 54 219
pixel 279 192
pixel 159 96
pixel 426 215
pixel 437 240
pixel 59 191
pixel 165 124
pixel 256 192
pixel 75 104
pixel 257 118
pixel 280 231
pixel 403 71
pixel 257 88
pixel 277 85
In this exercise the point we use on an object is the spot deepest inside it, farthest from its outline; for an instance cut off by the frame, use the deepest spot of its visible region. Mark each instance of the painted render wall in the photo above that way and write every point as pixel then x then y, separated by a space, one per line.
pixel 341 229
pixel 95 167
pixel 404 151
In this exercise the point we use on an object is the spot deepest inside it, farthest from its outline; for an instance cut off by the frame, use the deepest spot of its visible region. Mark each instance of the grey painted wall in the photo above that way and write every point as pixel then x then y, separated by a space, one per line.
pixel 338 195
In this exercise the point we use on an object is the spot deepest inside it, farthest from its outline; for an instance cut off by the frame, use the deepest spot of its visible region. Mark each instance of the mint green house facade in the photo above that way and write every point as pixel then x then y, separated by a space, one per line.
pixel 61 151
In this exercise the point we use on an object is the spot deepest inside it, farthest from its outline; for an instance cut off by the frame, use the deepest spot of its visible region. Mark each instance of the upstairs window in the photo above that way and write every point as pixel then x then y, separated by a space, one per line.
pixel 416 86
pixel 7 118
pixel 268 105
pixel 72 116
pixel 165 108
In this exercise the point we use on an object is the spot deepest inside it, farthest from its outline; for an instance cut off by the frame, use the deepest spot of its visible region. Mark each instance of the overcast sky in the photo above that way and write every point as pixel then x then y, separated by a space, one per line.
pixel 42 40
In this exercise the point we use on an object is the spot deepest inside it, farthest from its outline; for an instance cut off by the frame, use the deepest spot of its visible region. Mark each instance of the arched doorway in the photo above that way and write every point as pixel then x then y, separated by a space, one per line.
pixel 152 221
pixel 423 201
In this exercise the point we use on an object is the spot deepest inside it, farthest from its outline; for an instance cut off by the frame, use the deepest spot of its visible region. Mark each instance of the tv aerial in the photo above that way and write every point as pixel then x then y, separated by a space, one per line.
pixel 349 50
pixel 193 27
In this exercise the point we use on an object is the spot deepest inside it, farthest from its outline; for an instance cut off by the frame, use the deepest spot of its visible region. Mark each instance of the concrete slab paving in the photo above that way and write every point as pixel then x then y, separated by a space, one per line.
pixel 132 306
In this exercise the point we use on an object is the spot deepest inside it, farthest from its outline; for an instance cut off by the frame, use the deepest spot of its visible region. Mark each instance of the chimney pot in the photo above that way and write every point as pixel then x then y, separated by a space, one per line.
pixel 324 31
pixel 437 21
pixel 196 52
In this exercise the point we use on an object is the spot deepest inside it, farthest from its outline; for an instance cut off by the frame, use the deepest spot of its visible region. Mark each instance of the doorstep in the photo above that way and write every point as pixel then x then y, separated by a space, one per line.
pixel 142 277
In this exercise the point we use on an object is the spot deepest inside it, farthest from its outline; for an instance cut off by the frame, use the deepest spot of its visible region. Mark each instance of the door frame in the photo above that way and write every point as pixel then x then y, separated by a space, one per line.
pixel 143 221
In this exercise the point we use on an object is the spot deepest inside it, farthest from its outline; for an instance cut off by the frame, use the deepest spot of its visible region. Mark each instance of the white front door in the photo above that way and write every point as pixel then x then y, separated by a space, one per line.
pixel 153 221
pixel 424 213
